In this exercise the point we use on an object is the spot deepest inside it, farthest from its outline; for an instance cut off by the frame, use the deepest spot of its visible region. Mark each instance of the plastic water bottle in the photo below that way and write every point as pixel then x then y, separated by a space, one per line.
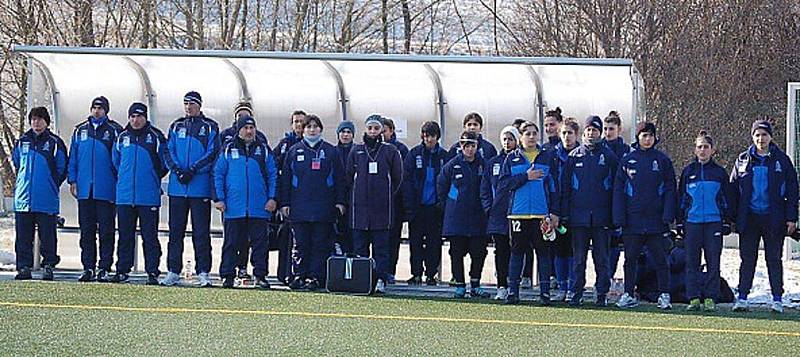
pixel 187 270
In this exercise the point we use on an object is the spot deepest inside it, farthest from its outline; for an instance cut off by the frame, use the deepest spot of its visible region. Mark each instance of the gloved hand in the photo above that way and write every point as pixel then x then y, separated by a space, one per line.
pixel 726 228
pixel 185 176
pixel 679 228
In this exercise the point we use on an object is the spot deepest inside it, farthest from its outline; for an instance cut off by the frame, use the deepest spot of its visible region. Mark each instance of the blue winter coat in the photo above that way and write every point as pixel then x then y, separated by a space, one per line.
pixel 420 165
pixel 644 192
pixel 192 144
pixel 372 195
pixel 485 149
pixel 494 204
pixel 90 163
pixel 587 184
pixel 704 194
pixel 529 198
pixel 458 187
pixel 41 164
pixel 245 178
pixel 312 191
pixel 139 158
pixel 781 186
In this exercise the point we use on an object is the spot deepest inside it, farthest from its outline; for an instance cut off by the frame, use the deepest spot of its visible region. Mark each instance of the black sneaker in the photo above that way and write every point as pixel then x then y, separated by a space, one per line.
pixel 415 280
pixel 152 279
pixel 227 282
pixel 47 273
pixel 544 299
pixel 297 284
pixel 511 299
pixel 432 281
pixel 601 301
pixel 576 300
pixel 312 284
pixel 242 274
pixel 23 274
pixel 262 282
pixel 102 275
pixel 119 278
pixel 86 276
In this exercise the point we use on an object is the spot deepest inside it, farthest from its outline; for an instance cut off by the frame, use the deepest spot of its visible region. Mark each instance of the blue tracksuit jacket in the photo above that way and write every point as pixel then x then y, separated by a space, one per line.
pixel 311 189
pixel 458 188
pixel 41 164
pixel 139 158
pixel 704 194
pixel 90 163
pixel 587 184
pixel 192 144
pixel 494 205
pixel 644 192
pixel 421 166
pixel 529 198
pixel 245 178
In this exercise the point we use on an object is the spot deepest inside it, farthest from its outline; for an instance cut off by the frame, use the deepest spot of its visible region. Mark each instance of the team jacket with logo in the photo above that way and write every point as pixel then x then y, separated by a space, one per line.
pixel 41 164
pixel 312 182
pixel 494 205
pixel 139 158
pixel 529 198
pixel 587 184
pixel 90 163
pixel 192 144
pixel 374 177
pixel 458 187
pixel 644 192
pixel 245 178
pixel 704 193
pixel 419 166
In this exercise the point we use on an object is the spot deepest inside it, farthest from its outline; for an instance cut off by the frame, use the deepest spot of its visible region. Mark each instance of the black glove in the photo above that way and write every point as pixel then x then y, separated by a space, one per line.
pixel 185 176
pixel 726 229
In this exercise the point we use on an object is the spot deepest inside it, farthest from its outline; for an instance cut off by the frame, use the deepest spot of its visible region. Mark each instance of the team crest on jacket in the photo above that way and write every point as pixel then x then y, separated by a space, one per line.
pixel 322 154
pixel 106 135
pixel 655 165
pixel 777 166
pixel 258 151
pixel 46 146
pixel 602 161
pixel 149 139
pixel 202 131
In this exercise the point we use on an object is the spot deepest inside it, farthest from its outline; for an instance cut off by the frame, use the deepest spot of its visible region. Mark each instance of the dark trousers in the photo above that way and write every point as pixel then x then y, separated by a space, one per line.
pixel 599 239
pixel 244 251
pixel 179 208
pixel 380 248
pixel 254 231
pixel 613 254
pixel 526 235
pixel 563 261
pixel 285 242
pixel 656 249
pixel 147 217
pixel 394 245
pixel 502 254
pixel 705 239
pixel 312 247
pixel 527 270
pixel 425 240
pixel 344 234
pixel 460 246
pixel 758 228
pixel 96 216
pixel 26 224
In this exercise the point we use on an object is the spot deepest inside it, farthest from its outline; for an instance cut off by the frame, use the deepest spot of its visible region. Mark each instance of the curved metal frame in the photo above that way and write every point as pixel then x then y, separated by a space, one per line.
pixel 244 94
pixel 537 82
pixel 340 86
pixel 53 90
pixel 440 101
pixel 149 93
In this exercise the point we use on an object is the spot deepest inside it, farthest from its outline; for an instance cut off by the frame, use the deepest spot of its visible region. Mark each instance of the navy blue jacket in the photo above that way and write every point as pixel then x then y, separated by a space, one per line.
pixel 644 192
pixel 139 158
pixel 587 186
pixel 485 149
pixel 372 195
pixel 552 142
pixel 458 187
pixel 231 132
pixel 41 164
pixel 704 194
pixel 781 187
pixel 398 203
pixel 192 144
pixel 529 199
pixel 344 152
pixel 417 166
pixel 494 205
pixel 280 150
pixel 312 191
pixel 245 178
pixel 90 163
pixel 618 147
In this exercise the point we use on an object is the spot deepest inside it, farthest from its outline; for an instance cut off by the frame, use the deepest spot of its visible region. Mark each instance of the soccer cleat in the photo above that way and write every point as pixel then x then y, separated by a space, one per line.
pixel 560 296
pixel 102 275
pixel 262 282
pixel 432 281
pixel 570 295
pixel 601 301
pixel 23 274
pixel 502 293
pixel 203 280
pixel 86 276
pixel 171 279
pixel 380 287
pixel 512 299
pixel 152 279
pixel 47 273
pixel 627 301
pixel 776 307
pixel 227 282
pixel 664 302
pixel 741 305
pixel 479 293
pixel 544 299
pixel 120 278
pixel 460 293
pixel 526 283
pixel 414 280
pixel 709 305
pixel 694 305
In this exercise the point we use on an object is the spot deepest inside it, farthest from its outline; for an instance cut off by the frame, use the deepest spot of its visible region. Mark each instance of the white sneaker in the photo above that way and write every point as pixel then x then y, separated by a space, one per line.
pixel 569 296
pixel 664 302
pixel 560 296
pixel 627 301
pixel 777 307
pixel 526 283
pixel 741 305
pixel 203 280
pixel 502 293
pixel 171 279
pixel 380 287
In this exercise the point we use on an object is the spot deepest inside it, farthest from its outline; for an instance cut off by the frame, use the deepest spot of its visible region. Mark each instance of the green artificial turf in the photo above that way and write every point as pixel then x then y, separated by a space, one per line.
pixel 196 321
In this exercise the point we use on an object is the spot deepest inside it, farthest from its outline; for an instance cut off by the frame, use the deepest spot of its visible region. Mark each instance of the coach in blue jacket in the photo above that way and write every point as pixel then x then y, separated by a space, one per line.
pixel 92 179
pixel 245 180
pixel 374 173
pixel 313 196
pixel 40 159
pixel 587 192
pixel 192 147
pixel 138 156
pixel 644 206
pixel 765 182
